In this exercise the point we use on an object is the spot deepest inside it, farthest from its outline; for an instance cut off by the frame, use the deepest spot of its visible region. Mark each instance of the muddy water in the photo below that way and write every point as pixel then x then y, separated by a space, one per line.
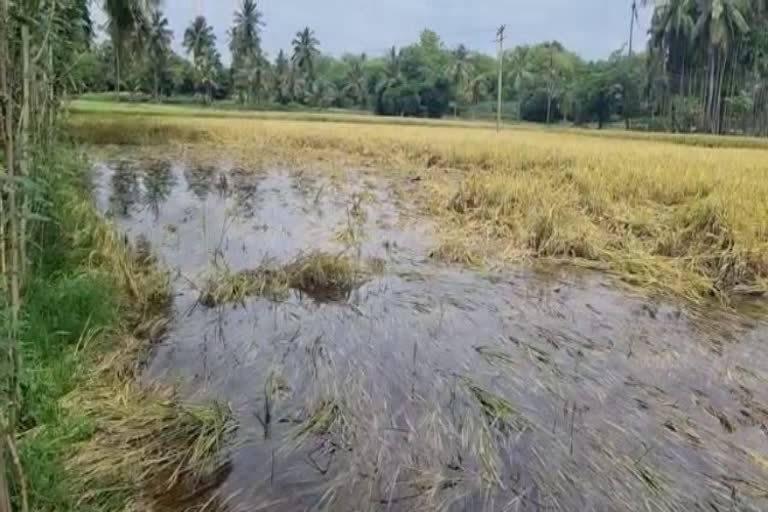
pixel 434 387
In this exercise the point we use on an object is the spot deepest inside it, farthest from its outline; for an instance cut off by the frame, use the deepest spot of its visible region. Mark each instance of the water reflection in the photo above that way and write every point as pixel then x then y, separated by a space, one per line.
pixel 158 181
pixel 201 179
pixel 246 187
pixel 126 191
pixel 134 187
pixel 434 388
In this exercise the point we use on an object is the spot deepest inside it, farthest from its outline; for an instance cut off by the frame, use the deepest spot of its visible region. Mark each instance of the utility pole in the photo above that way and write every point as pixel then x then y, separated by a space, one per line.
pixel 632 19
pixel 500 39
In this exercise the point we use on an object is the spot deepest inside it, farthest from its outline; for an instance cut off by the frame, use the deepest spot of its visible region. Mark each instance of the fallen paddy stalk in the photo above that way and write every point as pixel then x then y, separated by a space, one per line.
pixel 683 220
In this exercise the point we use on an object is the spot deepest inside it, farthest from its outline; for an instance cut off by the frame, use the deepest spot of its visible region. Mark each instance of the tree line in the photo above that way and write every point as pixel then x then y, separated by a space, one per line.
pixel 704 68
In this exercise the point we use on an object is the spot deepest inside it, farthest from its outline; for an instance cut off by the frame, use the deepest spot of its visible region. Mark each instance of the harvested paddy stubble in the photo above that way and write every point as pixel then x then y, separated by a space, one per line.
pixel 684 220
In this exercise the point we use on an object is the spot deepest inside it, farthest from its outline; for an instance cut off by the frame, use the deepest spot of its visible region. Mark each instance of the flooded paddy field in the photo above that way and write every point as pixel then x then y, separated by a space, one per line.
pixel 367 376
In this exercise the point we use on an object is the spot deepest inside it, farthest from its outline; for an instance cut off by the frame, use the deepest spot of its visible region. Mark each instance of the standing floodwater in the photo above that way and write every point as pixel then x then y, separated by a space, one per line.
pixel 428 387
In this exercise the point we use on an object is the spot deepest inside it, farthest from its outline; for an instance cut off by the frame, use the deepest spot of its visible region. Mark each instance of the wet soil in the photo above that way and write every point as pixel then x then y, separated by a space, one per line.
pixel 433 387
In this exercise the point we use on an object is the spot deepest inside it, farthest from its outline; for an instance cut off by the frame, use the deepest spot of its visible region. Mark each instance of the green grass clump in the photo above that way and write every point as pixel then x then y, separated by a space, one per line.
pixel 325 277
pixel 62 314
pixel 224 287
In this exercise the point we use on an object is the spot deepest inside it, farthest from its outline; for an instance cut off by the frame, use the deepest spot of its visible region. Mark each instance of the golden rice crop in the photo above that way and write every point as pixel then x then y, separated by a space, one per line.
pixel 660 213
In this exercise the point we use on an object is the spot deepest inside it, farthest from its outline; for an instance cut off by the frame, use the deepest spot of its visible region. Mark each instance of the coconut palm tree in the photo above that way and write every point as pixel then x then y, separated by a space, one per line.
pixel 518 63
pixel 199 38
pixel 246 39
pixel 357 82
pixel 158 46
pixel 672 29
pixel 718 24
pixel 251 79
pixel 206 72
pixel 461 70
pixel 304 52
pixel 282 78
pixel 393 71
pixel 245 46
pixel 125 20
pixel 392 76
pixel 674 18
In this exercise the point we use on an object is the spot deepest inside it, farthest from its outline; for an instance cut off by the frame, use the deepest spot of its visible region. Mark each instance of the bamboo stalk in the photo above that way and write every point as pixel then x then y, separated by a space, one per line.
pixel 5 501
pixel 50 111
pixel 24 157
pixel 11 215
pixel 10 157
pixel 19 468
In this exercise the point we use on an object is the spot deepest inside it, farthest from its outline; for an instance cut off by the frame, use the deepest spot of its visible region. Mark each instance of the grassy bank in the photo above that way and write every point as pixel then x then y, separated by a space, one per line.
pixel 90 438
pixel 684 220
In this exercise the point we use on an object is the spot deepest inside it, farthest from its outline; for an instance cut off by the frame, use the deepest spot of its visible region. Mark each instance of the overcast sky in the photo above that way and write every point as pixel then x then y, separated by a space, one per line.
pixel 592 28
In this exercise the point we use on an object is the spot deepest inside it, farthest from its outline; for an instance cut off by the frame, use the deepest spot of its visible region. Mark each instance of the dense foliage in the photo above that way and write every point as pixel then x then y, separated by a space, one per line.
pixel 708 64
pixel 705 69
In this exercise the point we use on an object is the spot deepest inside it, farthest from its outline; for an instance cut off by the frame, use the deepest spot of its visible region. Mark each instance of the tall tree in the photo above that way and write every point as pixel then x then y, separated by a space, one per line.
pixel 719 23
pixel 461 70
pixel 304 53
pixel 246 37
pixel 245 45
pixel 251 79
pixel 206 72
pixel 672 29
pixel 200 43
pixel 518 62
pixel 391 77
pixel 356 82
pixel 393 69
pixel 125 21
pixel 282 78
pixel 158 47
pixel 199 38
